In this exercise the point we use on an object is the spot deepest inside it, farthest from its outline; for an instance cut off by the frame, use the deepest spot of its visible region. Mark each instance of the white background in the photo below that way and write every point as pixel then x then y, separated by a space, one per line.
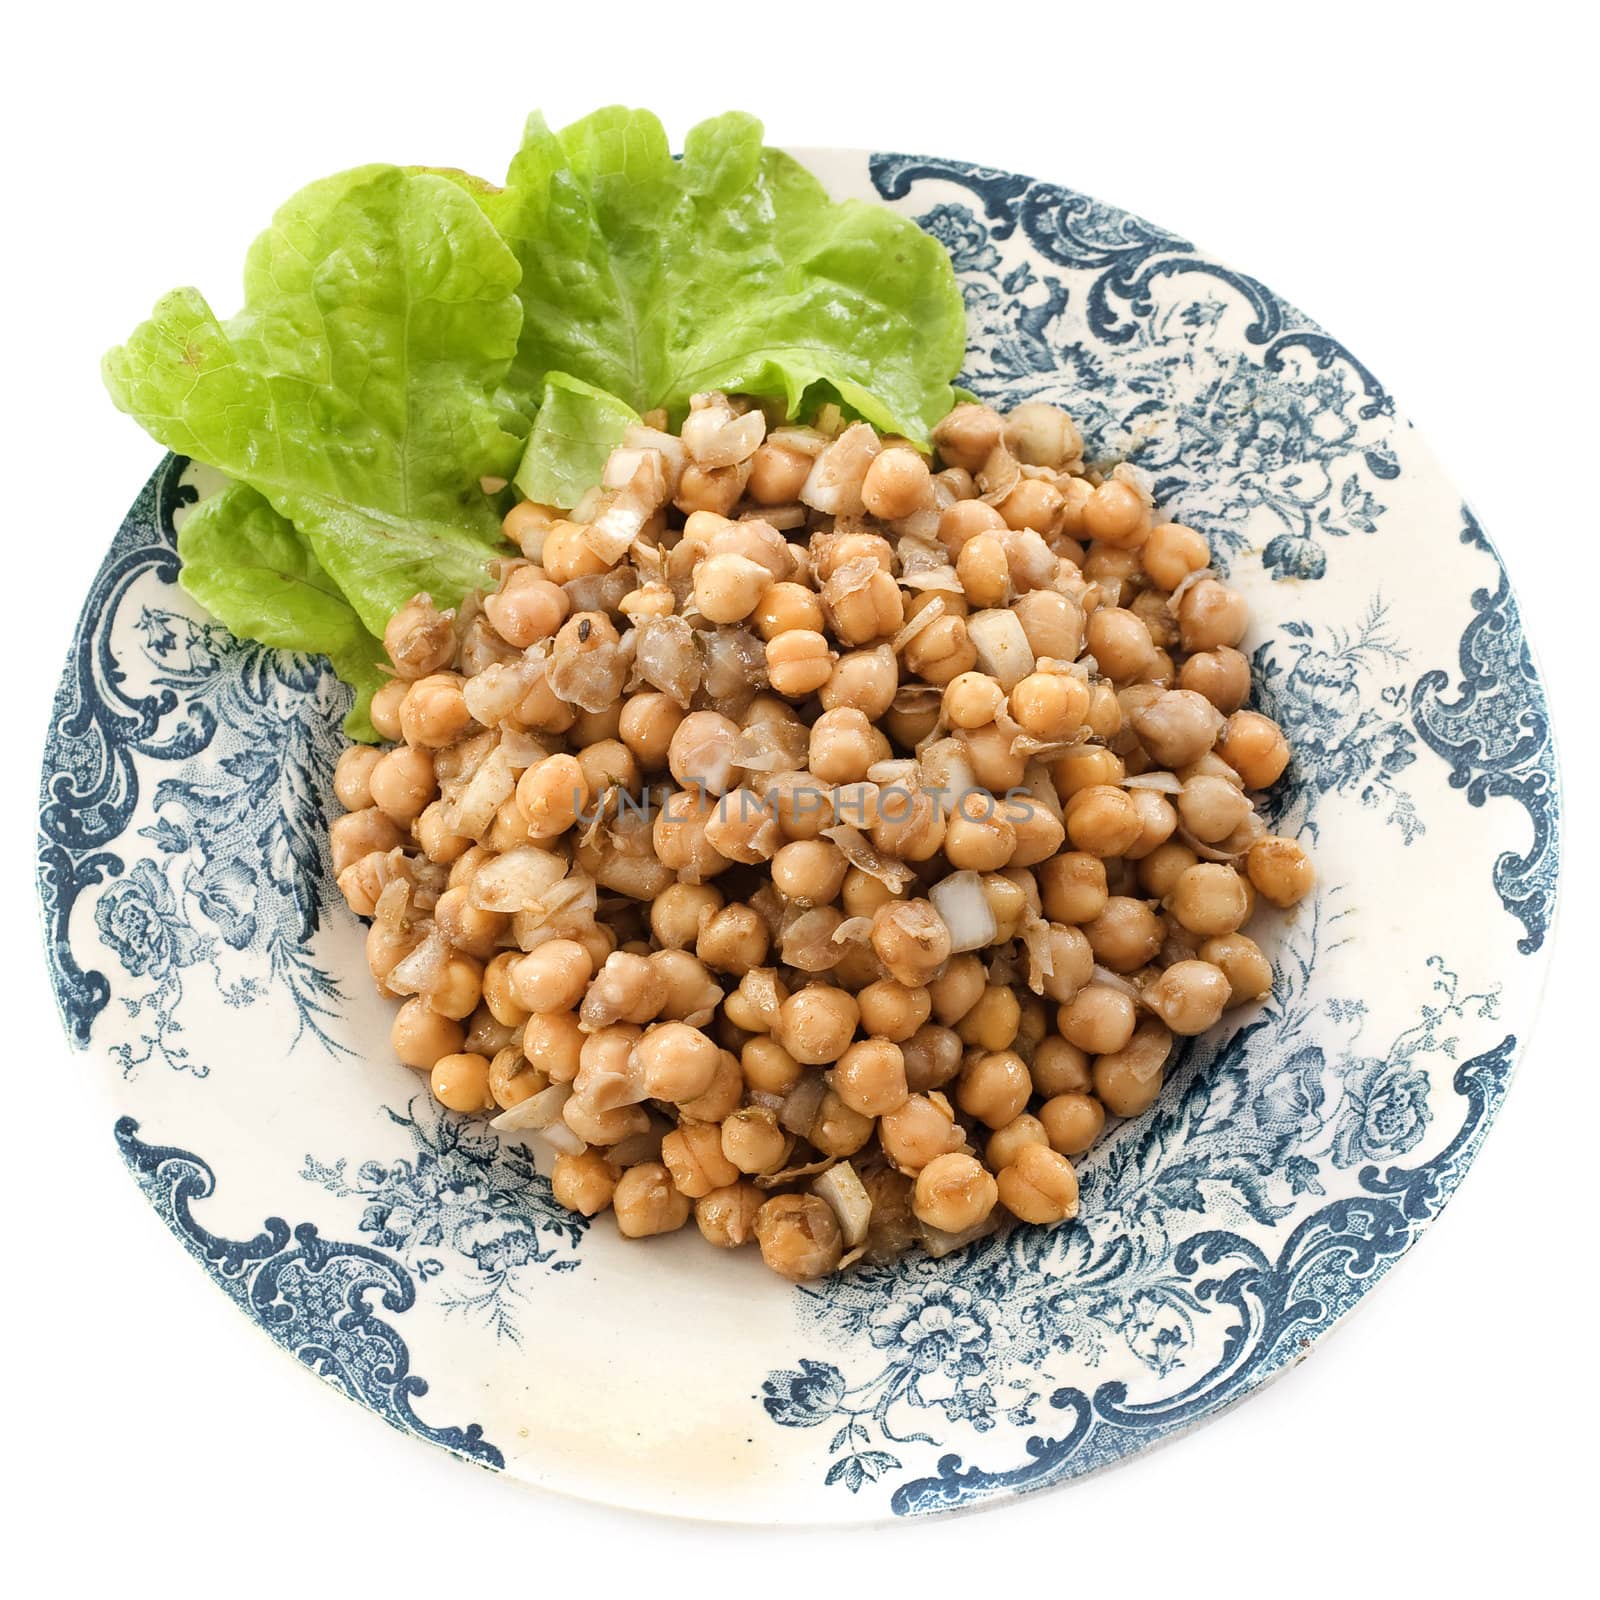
pixel 1419 179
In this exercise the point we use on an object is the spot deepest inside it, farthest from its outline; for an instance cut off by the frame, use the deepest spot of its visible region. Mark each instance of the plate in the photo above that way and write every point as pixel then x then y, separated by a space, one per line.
pixel 208 969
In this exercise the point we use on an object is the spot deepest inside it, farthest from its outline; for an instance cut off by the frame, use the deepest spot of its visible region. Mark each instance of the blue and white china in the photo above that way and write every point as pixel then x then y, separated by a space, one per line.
pixel 215 982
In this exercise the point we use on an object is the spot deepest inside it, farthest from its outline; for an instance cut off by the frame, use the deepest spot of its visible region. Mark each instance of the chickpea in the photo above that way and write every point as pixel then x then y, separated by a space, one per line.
pixel 972 700
pixel 768 1067
pixel 787 608
pixel 1126 935
pixel 679 913
pixel 994 764
pixel 1280 871
pixel 543 709
pixel 433 833
pixel 551 794
pixel 553 1044
pixel 966 436
pixel 1050 705
pixel 838 1130
pixel 604 1127
pixel 1097 1019
pixel 647 725
pixel 870 1077
pixel 954 1193
pixel 1177 726
pixel 1007 899
pixel 994 1087
pixel 799 1236
pixel 460 987
pixel 419 638
pixel 511 1079
pixel 891 1011
pixel 434 712
pixel 1127 1081
pixel 420 1036
pixel 861 615
pixel 965 520
pixel 1102 820
pixel 646 1201
pixel 862 893
pixel 1005 1143
pixel 609 1074
pixel 941 651
pixel 1120 643
pixel 1073 1120
pixel 909 825
pixel 678 1062
pixel 799 662
pixel 627 988
pixel 1247 970
pixel 385 710
pixel 526 608
pixel 733 940
pixel 1116 514
pixel 841 747
pixel 918 1131
pixel 742 828
pixel 727 587
pixel 958 988
pixel 1160 870
pixel 1189 996
pixel 1172 552
pixel 778 471
pixel 566 554
pixel 1086 767
pixel 1209 899
pixel 727 1217
pixel 1072 886
pixel 1042 435
pixel 1212 808
pixel 1053 624
pixel 1104 719
pixel 1060 1067
pixel 1158 821
pixel 701 753
pixel 1039 1186
pixel 1211 614
pixel 722 1099
pixel 1071 962
pixel 983 572
pixel 753 1006
pixel 809 872
pixel 816 1023
pixel 911 940
pixel 461 1082
pixel 897 483
pixel 753 1141
pixel 1254 746
pixel 1221 675
pixel 678 836
pixel 864 681
pixel 584 1182
pixel 358 834
pixel 352 776
pixel 693 1155
pixel 978 835
pixel 691 992
pixel 402 783
pixel 932 1056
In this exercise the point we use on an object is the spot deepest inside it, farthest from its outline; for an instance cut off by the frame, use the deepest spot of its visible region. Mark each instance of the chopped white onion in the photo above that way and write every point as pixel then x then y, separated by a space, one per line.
pixel 962 907
pixel 851 1203
pixel 518 880
pixel 1176 597
pixel 486 791
pixel 1161 782
pixel 1002 646
pixel 798 1113
pixel 939 1243
pixel 946 767
pixel 536 1113
pixel 1108 979
pixel 925 618
pixel 563 1140
pixel 859 853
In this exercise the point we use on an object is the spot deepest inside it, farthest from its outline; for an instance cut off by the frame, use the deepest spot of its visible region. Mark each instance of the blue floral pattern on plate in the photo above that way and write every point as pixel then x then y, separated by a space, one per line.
pixel 191 921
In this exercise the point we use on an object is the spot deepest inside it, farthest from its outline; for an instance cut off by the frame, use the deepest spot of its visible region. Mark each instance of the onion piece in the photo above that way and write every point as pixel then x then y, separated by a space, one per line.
pixel 853 930
pixel 833 486
pixel 518 880
pixel 1036 941
pixel 423 971
pixel 486 791
pixel 562 1140
pixel 1002 646
pixel 860 853
pixel 1161 782
pixel 639 1147
pixel 536 1113
pixel 1108 979
pixel 947 768
pixel 636 436
pixel 798 1113
pixel 776 1180
pixel 938 1243
pixel 959 899
pixel 1207 852
pixel 1176 597
pixel 926 617
pixel 851 1203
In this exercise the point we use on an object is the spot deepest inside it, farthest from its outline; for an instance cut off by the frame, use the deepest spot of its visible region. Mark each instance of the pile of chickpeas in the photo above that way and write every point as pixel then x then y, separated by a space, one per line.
pixel 818 839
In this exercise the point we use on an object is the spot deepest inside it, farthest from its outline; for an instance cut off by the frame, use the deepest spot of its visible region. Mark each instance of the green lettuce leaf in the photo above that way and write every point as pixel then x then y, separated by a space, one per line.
pixel 357 390
pixel 255 573
pixel 577 427
pixel 652 279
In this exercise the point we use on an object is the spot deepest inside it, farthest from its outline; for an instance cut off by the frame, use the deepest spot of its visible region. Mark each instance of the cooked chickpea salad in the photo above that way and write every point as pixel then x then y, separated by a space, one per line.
pixel 802 798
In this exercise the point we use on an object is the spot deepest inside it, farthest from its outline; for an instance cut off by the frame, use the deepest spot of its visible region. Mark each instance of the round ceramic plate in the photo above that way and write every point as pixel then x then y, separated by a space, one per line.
pixel 416 1261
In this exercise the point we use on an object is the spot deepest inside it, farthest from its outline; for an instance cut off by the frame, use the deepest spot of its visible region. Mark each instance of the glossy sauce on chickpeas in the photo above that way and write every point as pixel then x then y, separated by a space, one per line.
pixel 829 855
